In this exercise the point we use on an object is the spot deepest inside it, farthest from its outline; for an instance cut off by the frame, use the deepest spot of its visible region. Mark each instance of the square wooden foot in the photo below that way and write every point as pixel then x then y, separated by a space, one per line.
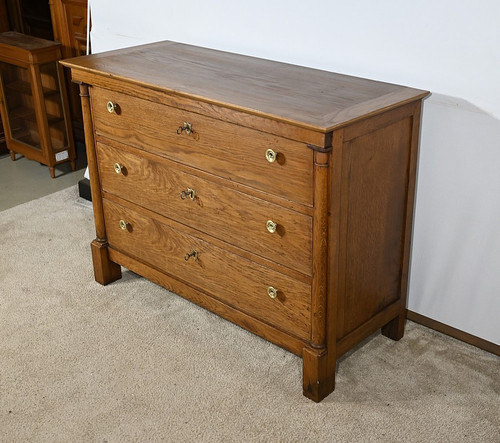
pixel 318 374
pixel 105 271
pixel 395 329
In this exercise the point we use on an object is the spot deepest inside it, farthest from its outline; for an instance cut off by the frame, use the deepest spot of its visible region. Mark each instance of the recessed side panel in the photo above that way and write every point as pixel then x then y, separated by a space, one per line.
pixel 374 198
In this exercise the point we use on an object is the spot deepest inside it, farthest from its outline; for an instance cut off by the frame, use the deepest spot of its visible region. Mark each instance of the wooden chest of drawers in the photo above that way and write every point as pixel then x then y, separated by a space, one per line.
pixel 276 196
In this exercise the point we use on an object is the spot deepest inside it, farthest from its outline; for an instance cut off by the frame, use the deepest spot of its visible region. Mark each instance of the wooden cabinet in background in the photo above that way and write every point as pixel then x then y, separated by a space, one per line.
pixel 33 100
pixel 4 18
pixel 61 20
pixel 4 27
pixel 69 22
pixel 3 143
pixel 31 17
pixel 276 196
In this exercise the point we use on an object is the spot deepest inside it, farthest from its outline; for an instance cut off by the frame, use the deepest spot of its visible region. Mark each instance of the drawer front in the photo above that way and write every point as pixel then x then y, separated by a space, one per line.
pixel 225 149
pixel 227 214
pixel 226 276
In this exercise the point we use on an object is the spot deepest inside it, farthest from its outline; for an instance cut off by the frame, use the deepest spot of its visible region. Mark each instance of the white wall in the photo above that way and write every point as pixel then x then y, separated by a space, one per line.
pixel 448 47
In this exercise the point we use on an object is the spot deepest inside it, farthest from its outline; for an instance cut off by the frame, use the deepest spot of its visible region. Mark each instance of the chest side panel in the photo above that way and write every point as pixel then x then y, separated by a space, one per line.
pixel 375 180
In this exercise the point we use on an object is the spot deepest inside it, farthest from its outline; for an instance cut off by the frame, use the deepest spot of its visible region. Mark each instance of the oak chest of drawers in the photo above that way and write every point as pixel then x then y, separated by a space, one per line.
pixel 276 196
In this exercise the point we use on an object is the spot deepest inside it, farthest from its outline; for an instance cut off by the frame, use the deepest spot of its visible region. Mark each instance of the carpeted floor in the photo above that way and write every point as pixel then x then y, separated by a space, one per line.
pixel 132 362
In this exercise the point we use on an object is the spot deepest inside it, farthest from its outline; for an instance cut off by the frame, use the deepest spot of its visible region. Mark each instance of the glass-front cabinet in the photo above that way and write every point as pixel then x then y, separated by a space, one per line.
pixel 33 104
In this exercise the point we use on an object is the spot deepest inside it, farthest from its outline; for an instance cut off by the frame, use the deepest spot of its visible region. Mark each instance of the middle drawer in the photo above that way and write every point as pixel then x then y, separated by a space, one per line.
pixel 263 228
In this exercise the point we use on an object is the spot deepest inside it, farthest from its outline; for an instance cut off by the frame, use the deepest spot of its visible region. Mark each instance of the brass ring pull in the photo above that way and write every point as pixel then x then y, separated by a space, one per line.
pixel 124 225
pixel 271 156
pixel 118 168
pixel 190 254
pixel 111 107
pixel 188 193
pixel 185 127
pixel 272 292
pixel 271 226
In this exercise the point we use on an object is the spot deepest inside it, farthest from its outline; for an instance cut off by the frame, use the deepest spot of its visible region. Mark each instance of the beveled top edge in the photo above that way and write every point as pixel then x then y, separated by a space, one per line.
pixel 306 97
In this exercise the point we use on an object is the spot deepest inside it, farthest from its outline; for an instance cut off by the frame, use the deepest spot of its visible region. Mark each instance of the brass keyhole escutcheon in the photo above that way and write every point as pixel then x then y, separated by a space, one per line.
pixel 111 107
pixel 271 156
pixel 187 193
pixel 193 254
pixel 118 168
pixel 271 226
pixel 272 292
pixel 124 225
pixel 185 127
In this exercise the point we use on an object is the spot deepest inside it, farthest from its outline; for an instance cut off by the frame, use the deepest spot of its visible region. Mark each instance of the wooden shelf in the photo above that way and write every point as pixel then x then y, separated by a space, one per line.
pixel 24 87
pixel 23 113
pixel 29 114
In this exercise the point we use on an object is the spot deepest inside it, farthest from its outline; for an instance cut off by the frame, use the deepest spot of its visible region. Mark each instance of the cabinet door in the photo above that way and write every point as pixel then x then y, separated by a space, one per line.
pixel 76 19
pixel 19 110
pixel 3 145
pixel 69 20
pixel 54 109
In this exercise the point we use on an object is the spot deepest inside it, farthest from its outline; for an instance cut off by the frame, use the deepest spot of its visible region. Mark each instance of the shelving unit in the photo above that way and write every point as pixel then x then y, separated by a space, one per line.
pixel 33 103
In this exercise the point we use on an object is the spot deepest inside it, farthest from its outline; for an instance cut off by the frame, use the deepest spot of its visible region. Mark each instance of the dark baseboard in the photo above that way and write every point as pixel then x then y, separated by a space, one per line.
pixel 84 189
pixel 453 332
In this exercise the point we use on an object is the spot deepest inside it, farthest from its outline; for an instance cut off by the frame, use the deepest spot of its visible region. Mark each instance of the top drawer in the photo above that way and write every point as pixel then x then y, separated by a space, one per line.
pixel 225 149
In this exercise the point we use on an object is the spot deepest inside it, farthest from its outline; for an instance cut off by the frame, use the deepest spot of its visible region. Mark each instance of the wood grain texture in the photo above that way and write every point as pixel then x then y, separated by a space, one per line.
pixel 271 89
pixel 375 190
pixel 25 49
pixel 276 266
pixel 227 277
pixel 25 42
pixel 226 150
pixel 342 188
pixel 95 182
pixel 230 184
pixel 105 271
pixel 250 323
pixel 218 111
pixel 69 23
pixel 320 248
pixel 364 330
pixel 33 106
pixel 231 216
pixel 41 113
pixel 318 380
pixel 395 328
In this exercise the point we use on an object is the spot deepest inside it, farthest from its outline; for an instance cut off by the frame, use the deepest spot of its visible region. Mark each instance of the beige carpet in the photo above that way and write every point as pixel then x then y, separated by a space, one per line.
pixel 133 362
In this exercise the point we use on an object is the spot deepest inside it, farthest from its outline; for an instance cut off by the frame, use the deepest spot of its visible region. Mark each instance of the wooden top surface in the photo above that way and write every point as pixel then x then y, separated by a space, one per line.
pixel 25 42
pixel 306 97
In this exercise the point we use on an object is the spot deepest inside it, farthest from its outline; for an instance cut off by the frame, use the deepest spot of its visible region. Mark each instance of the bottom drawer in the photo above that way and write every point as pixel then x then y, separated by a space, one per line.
pixel 239 282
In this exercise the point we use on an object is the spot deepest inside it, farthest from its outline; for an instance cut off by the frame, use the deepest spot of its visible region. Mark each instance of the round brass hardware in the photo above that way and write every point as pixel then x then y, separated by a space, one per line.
pixel 111 107
pixel 271 226
pixel 271 156
pixel 272 292
pixel 123 225
pixel 118 168
pixel 190 254
pixel 187 193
